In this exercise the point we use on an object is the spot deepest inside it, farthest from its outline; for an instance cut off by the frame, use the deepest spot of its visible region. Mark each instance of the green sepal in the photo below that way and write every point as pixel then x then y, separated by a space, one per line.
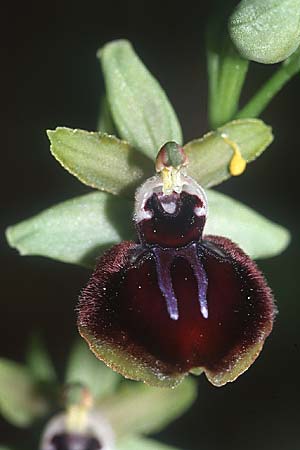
pixel 38 361
pixel 105 120
pixel 140 443
pixel 79 230
pixel 210 156
pixel 20 401
pixel 75 231
pixel 256 235
pixel 84 368
pixel 141 409
pixel 141 110
pixel 99 160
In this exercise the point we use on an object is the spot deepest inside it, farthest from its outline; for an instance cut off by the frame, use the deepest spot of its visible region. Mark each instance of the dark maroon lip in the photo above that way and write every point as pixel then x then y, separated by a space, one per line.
pixel 177 301
pixel 134 305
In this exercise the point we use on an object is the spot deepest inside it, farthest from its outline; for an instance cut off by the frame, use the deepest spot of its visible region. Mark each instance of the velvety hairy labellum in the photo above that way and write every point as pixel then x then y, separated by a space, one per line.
pixel 176 301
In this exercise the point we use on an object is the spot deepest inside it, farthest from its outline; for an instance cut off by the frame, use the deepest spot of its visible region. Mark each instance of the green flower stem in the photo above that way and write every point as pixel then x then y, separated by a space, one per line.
pixel 266 93
pixel 213 62
pixel 226 75
pixel 232 76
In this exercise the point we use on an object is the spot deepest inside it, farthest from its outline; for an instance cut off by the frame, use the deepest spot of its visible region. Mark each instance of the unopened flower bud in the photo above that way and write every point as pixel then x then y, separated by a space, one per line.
pixel 266 31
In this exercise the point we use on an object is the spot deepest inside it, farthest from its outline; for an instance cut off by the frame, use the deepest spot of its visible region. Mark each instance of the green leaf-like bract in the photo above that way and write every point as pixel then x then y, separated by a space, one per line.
pixel 100 160
pixel 141 409
pixel 78 230
pixel 83 367
pixel 209 157
pixel 141 110
pixel 20 403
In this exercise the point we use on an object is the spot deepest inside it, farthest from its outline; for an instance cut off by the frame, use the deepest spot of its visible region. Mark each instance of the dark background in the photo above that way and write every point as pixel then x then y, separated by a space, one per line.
pixel 50 76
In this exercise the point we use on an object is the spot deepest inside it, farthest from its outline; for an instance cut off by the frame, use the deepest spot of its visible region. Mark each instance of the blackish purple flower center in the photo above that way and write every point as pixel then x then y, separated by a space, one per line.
pixel 174 222
pixel 72 441
pixel 170 227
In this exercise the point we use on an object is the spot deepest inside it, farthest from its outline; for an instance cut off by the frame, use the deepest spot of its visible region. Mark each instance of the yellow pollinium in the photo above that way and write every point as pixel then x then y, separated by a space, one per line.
pixel 237 164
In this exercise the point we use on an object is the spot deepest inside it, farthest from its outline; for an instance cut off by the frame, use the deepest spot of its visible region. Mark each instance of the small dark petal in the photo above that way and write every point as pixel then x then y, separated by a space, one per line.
pixel 123 314
pixel 72 441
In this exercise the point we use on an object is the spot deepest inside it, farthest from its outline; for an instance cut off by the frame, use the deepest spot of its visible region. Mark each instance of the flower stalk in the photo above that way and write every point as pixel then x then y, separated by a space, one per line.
pixel 285 72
